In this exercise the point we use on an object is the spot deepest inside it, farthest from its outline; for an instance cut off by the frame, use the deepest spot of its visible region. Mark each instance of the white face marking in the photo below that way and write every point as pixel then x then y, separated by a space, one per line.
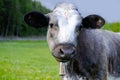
pixel 68 19
pixel 67 29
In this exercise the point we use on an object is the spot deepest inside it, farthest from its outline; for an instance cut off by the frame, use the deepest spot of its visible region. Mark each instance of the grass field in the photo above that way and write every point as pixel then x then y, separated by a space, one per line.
pixel 27 60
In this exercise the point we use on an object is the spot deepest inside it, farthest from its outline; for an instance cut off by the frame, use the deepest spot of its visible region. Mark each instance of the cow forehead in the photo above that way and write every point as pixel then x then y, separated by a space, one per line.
pixel 65 10
pixel 65 6
pixel 68 18
pixel 65 14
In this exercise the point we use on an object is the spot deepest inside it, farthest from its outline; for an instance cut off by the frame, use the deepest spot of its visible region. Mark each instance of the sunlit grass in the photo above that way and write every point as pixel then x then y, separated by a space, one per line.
pixel 27 60
pixel 112 26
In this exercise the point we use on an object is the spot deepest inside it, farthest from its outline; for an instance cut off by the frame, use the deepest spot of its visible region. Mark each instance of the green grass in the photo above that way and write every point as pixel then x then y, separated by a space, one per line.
pixel 27 60
pixel 115 27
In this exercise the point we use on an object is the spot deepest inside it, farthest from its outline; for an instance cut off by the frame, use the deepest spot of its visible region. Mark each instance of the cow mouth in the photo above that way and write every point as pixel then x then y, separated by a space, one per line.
pixel 59 59
pixel 64 52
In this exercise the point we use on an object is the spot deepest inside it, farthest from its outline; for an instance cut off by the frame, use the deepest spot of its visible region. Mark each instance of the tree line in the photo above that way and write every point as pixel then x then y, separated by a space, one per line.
pixel 11 17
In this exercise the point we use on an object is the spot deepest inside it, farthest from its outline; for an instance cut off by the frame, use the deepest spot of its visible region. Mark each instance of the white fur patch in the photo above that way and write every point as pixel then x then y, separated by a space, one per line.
pixel 70 78
pixel 67 29
pixel 110 77
pixel 68 19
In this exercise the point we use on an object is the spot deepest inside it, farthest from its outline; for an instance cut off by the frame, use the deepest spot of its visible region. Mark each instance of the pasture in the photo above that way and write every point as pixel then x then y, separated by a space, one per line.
pixel 27 60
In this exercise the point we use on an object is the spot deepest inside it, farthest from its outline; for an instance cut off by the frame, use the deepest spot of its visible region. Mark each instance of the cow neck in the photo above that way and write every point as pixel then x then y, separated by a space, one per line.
pixel 66 71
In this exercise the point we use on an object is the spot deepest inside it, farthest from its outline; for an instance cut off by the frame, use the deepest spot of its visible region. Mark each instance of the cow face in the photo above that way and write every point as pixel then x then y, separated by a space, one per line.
pixel 64 25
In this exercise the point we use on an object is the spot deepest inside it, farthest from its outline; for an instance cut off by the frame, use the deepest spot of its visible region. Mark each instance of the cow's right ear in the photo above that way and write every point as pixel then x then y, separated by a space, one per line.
pixel 36 19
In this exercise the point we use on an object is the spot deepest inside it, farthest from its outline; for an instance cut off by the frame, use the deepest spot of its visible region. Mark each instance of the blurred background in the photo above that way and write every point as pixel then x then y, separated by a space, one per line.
pixel 24 54
pixel 13 11
pixel 11 18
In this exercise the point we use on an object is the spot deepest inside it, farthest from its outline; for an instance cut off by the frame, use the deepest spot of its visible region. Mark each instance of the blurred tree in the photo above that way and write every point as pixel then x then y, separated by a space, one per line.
pixel 11 17
pixel 2 11
pixel 5 16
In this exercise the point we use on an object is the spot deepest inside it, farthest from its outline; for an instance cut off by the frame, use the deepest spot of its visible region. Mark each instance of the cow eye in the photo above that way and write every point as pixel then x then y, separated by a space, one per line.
pixel 51 25
pixel 78 28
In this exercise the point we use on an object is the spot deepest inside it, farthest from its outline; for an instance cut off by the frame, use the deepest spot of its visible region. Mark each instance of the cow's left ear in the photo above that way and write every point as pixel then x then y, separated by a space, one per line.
pixel 93 22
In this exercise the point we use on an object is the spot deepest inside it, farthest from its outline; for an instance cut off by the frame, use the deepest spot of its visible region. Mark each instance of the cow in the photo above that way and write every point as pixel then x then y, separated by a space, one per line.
pixel 83 50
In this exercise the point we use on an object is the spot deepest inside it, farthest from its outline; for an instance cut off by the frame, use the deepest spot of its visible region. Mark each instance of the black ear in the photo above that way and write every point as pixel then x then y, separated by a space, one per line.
pixel 93 21
pixel 36 19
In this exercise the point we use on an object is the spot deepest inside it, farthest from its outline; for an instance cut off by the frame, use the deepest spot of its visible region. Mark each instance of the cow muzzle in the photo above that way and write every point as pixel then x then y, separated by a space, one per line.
pixel 64 52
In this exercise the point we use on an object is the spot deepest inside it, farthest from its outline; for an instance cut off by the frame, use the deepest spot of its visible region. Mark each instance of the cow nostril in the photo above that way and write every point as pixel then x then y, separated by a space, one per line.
pixel 62 53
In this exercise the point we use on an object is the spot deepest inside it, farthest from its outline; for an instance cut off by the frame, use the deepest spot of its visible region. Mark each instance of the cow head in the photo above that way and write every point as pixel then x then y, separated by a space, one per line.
pixel 64 25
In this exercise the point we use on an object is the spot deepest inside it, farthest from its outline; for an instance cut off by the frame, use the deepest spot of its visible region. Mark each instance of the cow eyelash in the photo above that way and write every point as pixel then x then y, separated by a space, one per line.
pixel 78 27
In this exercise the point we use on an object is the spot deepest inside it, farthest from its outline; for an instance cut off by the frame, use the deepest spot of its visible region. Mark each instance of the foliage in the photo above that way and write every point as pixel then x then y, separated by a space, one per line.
pixel 27 60
pixel 11 17
pixel 112 26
